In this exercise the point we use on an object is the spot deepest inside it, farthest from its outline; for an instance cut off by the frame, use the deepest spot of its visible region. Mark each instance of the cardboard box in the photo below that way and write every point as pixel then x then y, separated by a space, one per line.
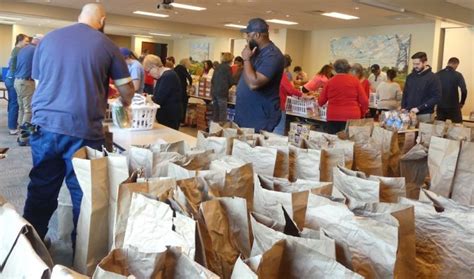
pixel 300 128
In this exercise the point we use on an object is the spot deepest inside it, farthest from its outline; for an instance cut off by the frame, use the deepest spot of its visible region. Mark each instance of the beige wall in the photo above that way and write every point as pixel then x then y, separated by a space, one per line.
pixel 5 43
pixel 28 30
pixel 121 41
pixel 459 42
pixel 181 48
pixel 316 47
pixel 294 44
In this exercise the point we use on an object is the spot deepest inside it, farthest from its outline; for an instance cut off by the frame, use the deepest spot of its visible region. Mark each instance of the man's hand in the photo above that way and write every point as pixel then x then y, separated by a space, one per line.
pixel 415 110
pixel 247 53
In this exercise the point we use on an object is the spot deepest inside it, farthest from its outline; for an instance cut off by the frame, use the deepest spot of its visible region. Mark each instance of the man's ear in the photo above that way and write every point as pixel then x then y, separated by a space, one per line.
pixel 102 21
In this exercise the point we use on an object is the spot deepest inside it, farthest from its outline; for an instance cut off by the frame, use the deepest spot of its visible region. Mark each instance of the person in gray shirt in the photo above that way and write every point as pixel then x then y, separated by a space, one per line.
pixel 389 93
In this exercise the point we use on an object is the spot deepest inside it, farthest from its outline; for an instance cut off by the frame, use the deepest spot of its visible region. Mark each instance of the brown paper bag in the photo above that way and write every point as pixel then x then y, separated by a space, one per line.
pixel 156 188
pixel 458 132
pixel 283 152
pixel 91 170
pixel 388 143
pixel 356 188
pixel 262 158
pixel 442 159
pixel 414 167
pixel 463 190
pixel 229 128
pixel 391 188
pixel 226 223
pixel 405 266
pixel 444 242
pixel 217 142
pixel 284 185
pixel 330 158
pixel 22 252
pixel 226 163
pixel 304 163
pixel 426 131
pixel 318 140
pixel 368 157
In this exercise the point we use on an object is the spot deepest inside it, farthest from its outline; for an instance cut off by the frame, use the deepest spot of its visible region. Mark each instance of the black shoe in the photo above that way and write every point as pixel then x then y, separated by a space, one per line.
pixel 24 138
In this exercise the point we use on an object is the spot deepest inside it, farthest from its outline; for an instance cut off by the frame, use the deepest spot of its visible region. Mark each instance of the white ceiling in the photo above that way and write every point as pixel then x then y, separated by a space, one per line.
pixel 306 12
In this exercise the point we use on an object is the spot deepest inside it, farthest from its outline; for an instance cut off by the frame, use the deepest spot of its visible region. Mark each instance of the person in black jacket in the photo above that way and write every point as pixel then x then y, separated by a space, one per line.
pixel 220 83
pixel 186 80
pixel 422 89
pixel 167 92
pixel 450 106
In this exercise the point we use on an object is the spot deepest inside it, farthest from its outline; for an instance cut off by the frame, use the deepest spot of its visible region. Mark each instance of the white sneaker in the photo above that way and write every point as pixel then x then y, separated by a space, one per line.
pixel 13 132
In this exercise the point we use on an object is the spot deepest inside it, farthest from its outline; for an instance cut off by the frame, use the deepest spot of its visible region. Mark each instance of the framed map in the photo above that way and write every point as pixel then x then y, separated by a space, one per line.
pixel 386 50
pixel 199 51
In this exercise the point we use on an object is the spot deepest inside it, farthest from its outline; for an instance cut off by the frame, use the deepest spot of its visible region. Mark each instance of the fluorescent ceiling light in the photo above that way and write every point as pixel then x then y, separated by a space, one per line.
pixel 188 7
pixel 150 14
pixel 160 34
pixel 340 16
pixel 381 5
pixel 279 21
pixel 235 25
pixel 143 36
pixel 9 18
pixel 7 22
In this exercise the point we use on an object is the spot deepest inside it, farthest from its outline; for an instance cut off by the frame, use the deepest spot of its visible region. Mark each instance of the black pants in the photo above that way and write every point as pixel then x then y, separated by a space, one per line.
pixel 336 126
pixel 454 114
pixel 148 89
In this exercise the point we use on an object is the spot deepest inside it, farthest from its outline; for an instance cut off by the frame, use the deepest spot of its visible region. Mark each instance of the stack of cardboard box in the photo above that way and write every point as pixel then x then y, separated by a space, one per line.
pixel 203 116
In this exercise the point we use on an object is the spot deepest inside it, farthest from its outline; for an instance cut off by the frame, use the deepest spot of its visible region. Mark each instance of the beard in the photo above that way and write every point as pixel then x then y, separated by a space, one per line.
pixel 253 44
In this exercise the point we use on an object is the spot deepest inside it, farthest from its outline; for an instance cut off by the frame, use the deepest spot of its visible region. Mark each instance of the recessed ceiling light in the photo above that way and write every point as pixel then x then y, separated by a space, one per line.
pixel 235 25
pixel 287 15
pixel 150 14
pixel 160 34
pixel 9 18
pixel 340 16
pixel 279 21
pixel 356 8
pixel 188 7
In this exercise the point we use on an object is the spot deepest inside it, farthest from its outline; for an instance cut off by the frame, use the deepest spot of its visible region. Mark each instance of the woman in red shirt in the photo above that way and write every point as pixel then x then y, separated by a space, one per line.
pixel 286 89
pixel 345 97
pixel 319 80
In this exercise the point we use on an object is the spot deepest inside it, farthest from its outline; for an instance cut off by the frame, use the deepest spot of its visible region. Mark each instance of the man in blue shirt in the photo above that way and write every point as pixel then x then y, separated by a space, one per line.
pixel 24 85
pixel 258 101
pixel 68 108
pixel 135 69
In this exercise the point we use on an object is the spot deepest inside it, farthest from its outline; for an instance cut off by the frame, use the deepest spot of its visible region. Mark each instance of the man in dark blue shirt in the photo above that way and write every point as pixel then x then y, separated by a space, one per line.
pixel 68 108
pixel 24 85
pixel 258 101
pixel 451 81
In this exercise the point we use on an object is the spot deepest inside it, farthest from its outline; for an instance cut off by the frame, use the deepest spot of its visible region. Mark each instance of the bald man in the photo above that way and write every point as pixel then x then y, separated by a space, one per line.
pixel 71 68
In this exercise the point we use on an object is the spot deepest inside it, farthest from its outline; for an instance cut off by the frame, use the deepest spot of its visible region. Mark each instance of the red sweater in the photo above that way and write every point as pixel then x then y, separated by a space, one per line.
pixel 345 97
pixel 366 86
pixel 287 89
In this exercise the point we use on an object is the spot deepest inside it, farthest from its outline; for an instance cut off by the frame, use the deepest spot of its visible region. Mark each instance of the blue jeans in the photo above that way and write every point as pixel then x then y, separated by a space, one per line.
pixel 52 154
pixel 280 128
pixel 12 104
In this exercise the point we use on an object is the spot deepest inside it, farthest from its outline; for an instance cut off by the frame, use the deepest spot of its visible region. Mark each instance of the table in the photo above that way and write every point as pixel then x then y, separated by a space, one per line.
pixel 208 99
pixel 124 138
pixel 465 118
pixel 3 89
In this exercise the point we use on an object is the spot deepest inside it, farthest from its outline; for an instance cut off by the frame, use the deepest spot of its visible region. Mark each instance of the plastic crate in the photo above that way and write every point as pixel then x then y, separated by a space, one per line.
pixel 300 106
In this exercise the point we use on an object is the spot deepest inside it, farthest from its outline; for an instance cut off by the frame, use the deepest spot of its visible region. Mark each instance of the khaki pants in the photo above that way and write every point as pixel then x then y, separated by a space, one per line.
pixel 24 89
pixel 425 118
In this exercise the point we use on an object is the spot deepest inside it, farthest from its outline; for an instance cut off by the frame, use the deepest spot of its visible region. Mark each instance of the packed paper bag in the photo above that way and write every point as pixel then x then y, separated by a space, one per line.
pixel 62 272
pixel 368 246
pixel 444 240
pixel 442 160
pixel 368 157
pixel 118 173
pixel 458 132
pixel 388 143
pixel 262 158
pixel 304 163
pixel 229 129
pixel 405 265
pixel 217 142
pixel 359 189
pixel 195 191
pixel 391 188
pixel 284 185
pixel 153 225
pixel 330 158
pixel 22 252
pixel 288 259
pixel 156 188
pixel 283 152
pixel 132 263
pixel 91 170
pixel 65 217
pixel 414 167
pixel 426 131
pixel 463 189
pixel 226 230
pixel 226 163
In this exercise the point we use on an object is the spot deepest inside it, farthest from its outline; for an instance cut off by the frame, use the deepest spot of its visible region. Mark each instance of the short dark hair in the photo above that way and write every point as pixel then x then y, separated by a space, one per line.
pixel 20 37
pixel 326 70
pixel 420 55
pixel 239 59
pixel 297 69
pixel 453 60
pixel 391 74
pixel 342 66
pixel 288 60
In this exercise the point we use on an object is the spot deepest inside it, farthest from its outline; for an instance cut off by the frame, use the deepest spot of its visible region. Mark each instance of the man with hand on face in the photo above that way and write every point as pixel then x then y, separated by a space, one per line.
pixel 68 108
pixel 422 89
pixel 258 102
